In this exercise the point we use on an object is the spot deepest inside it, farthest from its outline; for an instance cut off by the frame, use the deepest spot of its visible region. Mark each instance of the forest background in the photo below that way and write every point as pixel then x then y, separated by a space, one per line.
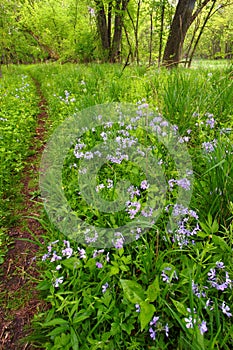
pixel 141 31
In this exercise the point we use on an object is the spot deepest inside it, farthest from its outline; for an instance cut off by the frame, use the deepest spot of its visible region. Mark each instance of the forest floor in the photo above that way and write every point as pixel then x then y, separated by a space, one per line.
pixel 19 298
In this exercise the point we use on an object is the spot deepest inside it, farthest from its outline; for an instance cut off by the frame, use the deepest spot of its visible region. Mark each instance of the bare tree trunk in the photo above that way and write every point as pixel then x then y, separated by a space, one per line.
pixel 151 38
pixel 109 22
pixel 179 27
pixel 201 32
pixel 130 46
pixel 103 28
pixel 161 32
pixel 121 6
pixel 136 32
pixel 197 24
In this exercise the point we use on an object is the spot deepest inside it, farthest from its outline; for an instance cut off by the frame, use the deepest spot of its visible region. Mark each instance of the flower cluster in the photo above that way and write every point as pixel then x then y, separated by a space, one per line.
pixel 67 99
pixel 155 326
pixel 191 320
pixel 218 279
pixel 169 275
pixel 187 225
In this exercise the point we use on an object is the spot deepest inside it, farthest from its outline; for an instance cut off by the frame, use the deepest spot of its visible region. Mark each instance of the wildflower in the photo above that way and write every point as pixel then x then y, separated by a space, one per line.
pixel 203 327
pixel 133 208
pixel 189 322
pixel 67 252
pixel 82 253
pixel 133 191
pixel 166 328
pixel 105 287
pixel 119 243
pixel 99 265
pixel 104 136
pixel 220 265
pixel 184 183
pixel 154 321
pixel 208 304
pixel 144 185
pixel 108 125
pixel 137 306
pixel 225 308
pixel 164 275
pixel 97 252
pixel 45 256
pixel 58 281
pixel 107 257
pixel 58 267
pixel 99 187
pixel 147 214
pixel 210 122
pixel 152 333
pixel 110 183
pixel 212 274
pixel 90 239
pixel 55 257
pixel 88 155
pixel 209 146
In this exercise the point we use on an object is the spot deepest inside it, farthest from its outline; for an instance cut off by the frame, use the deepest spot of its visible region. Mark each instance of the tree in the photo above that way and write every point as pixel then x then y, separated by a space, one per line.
pixel 111 44
pixel 182 20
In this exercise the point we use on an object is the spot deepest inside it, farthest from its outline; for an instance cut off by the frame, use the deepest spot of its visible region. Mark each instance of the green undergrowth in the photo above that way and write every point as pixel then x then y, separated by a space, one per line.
pixel 19 107
pixel 170 287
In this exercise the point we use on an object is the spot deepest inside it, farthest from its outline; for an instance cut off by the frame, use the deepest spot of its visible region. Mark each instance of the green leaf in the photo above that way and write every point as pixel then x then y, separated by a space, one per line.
pixel 114 270
pixel 57 331
pixel 71 263
pixel 133 291
pixel 127 327
pixel 74 339
pixel 55 321
pixel 179 307
pixel 220 242
pixel 146 313
pixel 81 316
pixel 153 290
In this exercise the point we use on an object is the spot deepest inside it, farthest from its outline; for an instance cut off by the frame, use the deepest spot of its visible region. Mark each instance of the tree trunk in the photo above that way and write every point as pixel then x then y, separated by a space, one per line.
pixel 200 33
pixel 121 6
pixel 161 32
pixel 151 38
pixel 179 27
pixel 103 28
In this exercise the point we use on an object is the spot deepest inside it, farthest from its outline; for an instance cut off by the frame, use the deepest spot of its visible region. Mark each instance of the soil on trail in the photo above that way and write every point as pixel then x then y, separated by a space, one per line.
pixel 19 272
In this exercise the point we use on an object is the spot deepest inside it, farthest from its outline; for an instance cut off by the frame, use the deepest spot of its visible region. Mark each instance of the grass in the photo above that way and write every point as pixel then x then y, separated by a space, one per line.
pixel 17 121
pixel 170 288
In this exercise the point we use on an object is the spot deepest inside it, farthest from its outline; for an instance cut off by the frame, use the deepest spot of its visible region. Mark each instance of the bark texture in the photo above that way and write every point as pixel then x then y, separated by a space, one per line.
pixel 179 27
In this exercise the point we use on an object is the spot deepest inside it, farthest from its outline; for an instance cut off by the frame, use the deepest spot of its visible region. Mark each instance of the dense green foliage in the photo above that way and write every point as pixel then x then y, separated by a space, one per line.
pixel 18 99
pixel 95 296
pixel 67 30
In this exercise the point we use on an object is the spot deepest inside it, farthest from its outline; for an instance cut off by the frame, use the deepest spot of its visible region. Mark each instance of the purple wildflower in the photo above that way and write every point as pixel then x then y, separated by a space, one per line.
pixel 225 309
pixel 154 321
pixel 99 265
pixel 105 287
pixel 137 307
pixel 166 328
pixel 144 185
pixel 58 281
pixel 203 327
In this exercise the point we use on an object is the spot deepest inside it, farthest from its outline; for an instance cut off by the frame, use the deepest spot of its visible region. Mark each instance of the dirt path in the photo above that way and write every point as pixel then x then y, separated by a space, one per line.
pixel 19 273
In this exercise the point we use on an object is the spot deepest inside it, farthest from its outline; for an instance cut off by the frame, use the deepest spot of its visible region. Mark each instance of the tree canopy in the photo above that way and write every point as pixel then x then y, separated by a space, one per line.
pixel 147 31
